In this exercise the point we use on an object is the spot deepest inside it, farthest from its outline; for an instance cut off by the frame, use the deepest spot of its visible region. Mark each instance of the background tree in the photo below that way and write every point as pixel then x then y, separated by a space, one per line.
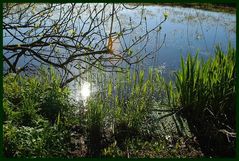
pixel 73 38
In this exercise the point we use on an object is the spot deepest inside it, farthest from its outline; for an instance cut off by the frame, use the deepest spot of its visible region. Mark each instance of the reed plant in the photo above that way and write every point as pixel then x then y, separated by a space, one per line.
pixel 123 104
pixel 207 94
pixel 39 112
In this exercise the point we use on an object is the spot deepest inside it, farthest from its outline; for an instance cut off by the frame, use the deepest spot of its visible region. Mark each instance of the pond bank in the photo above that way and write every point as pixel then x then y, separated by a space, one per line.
pixel 219 7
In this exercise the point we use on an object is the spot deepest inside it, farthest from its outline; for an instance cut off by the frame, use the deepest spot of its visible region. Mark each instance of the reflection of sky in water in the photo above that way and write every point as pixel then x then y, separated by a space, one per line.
pixel 189 30
pixel 186 29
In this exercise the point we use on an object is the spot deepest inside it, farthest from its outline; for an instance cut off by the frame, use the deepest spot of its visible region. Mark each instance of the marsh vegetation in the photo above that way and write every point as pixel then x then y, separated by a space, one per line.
pixel 81 81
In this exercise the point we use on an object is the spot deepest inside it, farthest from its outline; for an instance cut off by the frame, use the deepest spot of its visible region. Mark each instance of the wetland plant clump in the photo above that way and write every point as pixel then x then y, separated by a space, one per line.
pixel 208 96
pixel 128 116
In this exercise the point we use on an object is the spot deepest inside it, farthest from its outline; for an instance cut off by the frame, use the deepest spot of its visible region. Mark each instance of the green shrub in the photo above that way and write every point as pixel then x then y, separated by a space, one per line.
pixel 28 98
pixel 37 116
pixel 33 142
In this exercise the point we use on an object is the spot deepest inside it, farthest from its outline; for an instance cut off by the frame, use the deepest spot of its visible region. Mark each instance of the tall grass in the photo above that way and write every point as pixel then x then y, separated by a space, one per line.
pixel 207 94
pixel 95 119
pixel 38 114
pixel 122 107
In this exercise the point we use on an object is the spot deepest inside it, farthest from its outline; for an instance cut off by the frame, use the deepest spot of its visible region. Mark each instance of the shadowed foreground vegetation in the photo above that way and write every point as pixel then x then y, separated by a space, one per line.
pixel 127 117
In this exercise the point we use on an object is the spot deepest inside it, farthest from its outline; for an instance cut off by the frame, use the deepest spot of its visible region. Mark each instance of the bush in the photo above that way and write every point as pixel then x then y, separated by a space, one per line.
pixel 28 98
pixel 33 142
pixel 36 116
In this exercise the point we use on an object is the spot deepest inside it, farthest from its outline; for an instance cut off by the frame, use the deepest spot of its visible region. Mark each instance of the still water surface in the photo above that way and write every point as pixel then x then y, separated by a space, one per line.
pixel 186 30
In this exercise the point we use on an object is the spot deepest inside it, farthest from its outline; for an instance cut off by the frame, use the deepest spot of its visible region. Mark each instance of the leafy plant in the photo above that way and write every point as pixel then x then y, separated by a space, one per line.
pixel 29 106
pixel 207 94
pixel 95 119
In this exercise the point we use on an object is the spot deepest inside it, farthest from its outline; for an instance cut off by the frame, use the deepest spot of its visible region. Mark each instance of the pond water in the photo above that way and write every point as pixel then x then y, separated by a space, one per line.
pixel 186 30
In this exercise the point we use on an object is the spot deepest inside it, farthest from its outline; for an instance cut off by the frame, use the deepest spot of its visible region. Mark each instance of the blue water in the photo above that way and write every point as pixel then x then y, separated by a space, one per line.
pixel 186 30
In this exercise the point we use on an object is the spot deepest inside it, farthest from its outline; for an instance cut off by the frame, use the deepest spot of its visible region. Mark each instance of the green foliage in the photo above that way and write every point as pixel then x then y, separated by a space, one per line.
pixel 26 97
pixel 138 148
pixel 208 85
pixel 117 120
pixel 95 119
pixel 30 104
pixel 171 95
pixel 207 94
pixel 123 105
pixel 22 142
pixel 112 151
pixel 38 141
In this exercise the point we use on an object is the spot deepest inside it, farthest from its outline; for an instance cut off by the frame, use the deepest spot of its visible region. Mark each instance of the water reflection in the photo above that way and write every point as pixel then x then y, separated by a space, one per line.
pixel 186 30
pixel 85 90
pixel 82 90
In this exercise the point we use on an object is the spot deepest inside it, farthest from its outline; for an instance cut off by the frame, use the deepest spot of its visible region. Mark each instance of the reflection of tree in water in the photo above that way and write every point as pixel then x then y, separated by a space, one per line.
pixel 73 38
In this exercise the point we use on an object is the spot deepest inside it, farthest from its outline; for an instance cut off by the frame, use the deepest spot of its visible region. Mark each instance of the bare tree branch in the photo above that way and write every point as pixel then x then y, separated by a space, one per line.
pixel 74 38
